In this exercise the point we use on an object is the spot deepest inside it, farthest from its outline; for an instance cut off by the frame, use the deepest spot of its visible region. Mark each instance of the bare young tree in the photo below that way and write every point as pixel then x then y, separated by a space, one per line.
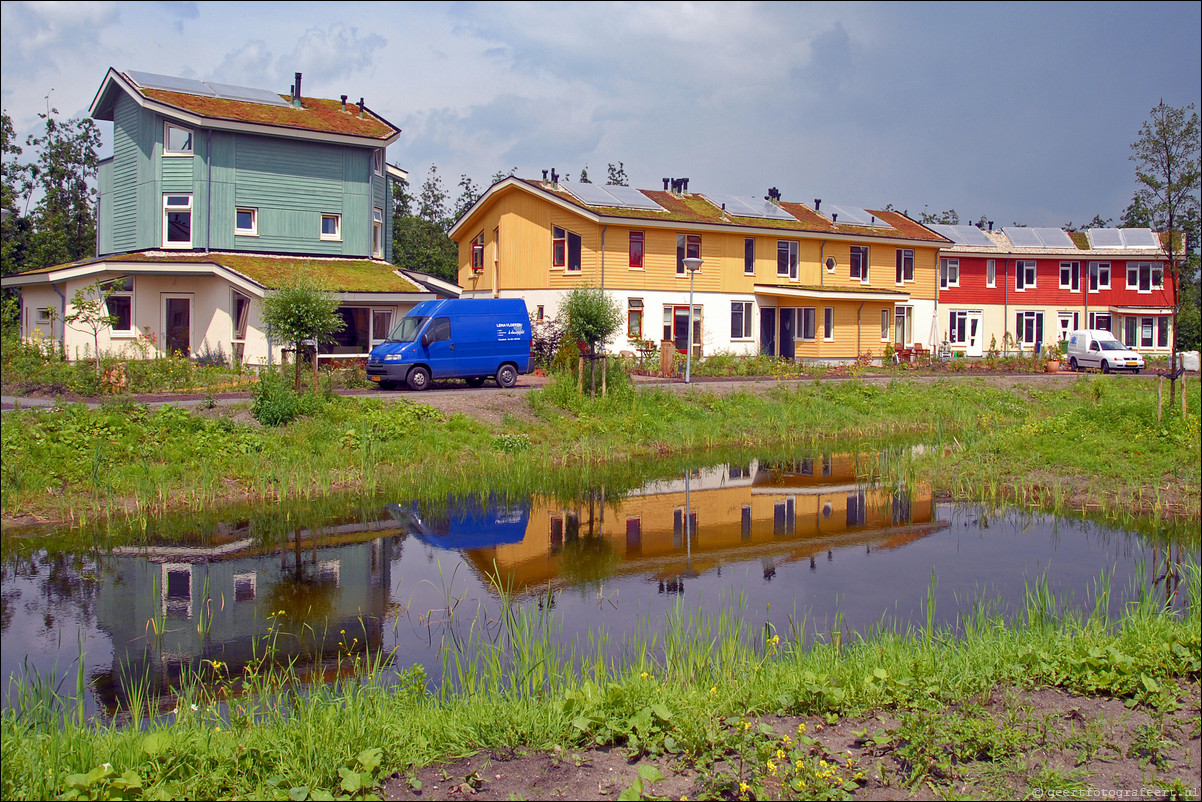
pixel 1167 174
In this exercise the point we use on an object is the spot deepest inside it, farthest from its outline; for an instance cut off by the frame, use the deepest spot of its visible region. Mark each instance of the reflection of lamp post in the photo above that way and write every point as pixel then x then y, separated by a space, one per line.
pixel 693 264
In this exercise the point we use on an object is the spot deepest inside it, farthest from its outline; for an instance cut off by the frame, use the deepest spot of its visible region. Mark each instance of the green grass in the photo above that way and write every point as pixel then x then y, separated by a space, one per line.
pixel 693 692
pixel 1094 445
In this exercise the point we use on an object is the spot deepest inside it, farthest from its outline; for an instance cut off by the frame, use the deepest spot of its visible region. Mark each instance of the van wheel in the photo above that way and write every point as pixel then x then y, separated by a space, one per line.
pixel 1135 372
pixel 1072 364
pixel 507 376
pixel 387 385
pixel 1105 366
pixel 419 379
pixel 475 381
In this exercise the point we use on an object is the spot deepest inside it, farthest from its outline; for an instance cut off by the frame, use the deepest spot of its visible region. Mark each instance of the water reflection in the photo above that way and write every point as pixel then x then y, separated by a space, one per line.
pixel 804 536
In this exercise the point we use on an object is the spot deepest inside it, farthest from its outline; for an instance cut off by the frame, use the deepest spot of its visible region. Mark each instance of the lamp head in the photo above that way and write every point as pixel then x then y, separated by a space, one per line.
pixel 693 264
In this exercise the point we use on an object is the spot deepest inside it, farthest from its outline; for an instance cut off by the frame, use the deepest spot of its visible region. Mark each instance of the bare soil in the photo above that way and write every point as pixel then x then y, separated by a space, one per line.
pixel 1077 747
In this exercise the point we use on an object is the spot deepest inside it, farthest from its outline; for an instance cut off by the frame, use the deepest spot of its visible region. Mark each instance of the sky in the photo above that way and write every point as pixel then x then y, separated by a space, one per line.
pixel 1021 112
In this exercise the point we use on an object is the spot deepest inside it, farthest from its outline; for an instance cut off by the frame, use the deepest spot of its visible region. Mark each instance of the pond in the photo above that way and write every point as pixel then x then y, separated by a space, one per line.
pixel 803 544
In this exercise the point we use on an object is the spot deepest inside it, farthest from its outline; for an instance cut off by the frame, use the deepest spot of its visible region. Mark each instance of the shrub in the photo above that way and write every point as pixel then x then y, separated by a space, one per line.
pixel 276 403
pixel 546 340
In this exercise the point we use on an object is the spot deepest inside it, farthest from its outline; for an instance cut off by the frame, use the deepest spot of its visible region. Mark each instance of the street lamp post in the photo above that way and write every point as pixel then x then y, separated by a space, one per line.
pixel 693 264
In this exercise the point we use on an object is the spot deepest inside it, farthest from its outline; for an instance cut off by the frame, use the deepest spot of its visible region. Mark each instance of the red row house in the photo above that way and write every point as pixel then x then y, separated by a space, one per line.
pixel 1021 288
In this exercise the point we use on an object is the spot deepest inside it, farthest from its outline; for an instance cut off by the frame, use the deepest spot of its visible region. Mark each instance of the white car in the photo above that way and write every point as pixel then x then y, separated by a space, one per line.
pixel 1096 348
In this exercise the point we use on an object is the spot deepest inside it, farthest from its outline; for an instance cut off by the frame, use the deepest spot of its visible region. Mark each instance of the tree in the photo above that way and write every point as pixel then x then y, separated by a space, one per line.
pixel 91 312
pixel 1166 157
pixel 419 238
pixel 301 311
pixel 584 175
pixel 592 316
pixel 14 186
pixel 947 218
pixel 1097 222
pixel 617 175
pixel 500 175
pixel 64 220
pixel 469 193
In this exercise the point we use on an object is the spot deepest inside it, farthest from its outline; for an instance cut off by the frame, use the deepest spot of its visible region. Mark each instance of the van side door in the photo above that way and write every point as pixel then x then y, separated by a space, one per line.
pixel 440 348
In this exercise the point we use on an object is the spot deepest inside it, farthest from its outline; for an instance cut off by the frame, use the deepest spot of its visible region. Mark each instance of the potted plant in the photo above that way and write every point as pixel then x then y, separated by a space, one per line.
pixel 1055 354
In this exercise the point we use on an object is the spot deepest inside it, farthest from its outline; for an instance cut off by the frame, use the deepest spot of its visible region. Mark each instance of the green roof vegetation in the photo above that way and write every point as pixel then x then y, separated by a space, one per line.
pixel 317 114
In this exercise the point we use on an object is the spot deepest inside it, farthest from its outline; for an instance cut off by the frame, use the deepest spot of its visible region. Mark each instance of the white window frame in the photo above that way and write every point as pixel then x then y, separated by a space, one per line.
pixel 377 233
pixel 947 268
pixel 377 161
pixel 863 252
pixel 1067 323
pixel 253 231
pixel 127 292
pixel 903 316
pixel 828 324
pixel 1136 268
pixel 1023 268
pixel 746 309
pixel 991 273
pixel 957 320
pixel 885 327
pixel 749 264
pixel 1036 318
pixel 905 259
pixel 167 150
pixel 807 320
pixel 177 209
pixel 790 249
pixel 1073 268
pixel 337 235
pixel 1093 320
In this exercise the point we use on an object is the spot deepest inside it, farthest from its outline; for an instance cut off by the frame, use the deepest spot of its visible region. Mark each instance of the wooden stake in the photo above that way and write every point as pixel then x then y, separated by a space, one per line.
pixel 1159 396
pixel 580 377
pixel 605 375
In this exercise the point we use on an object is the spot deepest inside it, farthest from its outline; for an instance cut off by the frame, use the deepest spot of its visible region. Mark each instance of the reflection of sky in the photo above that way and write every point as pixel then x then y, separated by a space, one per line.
pixel 436 592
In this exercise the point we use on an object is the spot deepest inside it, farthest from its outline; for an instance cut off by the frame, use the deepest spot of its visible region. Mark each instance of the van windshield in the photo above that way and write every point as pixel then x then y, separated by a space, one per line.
pixel 406 331
pixel 1112 345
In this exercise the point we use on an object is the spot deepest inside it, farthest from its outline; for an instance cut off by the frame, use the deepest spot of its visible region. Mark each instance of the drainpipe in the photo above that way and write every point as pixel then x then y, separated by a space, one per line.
pixel 209 190
pixel 1005 306
pixel 603 230
pixel 62 306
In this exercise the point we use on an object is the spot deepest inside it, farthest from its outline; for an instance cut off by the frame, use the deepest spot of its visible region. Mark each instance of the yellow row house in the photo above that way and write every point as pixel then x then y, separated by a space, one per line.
pixel 823 283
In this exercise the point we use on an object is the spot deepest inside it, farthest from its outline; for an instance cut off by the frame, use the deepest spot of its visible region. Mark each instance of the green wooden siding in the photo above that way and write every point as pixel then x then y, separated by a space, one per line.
pixel 127 170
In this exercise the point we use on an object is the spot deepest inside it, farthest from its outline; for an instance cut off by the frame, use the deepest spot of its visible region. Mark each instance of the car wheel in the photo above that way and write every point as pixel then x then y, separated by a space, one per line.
pixel 1105 366
pixel 1135 372
pixel 474 381
pixel 419 379
pixel 507 376
pixel 1072 364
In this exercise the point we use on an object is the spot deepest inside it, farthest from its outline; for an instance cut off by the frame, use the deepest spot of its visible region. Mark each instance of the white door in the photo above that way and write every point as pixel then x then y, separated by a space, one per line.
pixel 973 345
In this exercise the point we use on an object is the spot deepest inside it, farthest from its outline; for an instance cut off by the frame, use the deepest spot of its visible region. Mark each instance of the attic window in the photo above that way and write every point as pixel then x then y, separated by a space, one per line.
pixel 331 226
pixel 176 141
pixel 377 161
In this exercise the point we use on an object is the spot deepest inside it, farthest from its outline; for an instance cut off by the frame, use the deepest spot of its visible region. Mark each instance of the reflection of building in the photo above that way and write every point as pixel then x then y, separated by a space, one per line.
pixel 778 512
pixel 169 609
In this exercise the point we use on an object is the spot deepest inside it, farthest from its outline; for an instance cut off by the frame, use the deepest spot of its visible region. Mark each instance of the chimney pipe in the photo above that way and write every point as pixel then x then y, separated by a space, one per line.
pixel 667 181
pixel 544 176
pixel 296 97
pixel 360 107
pixel 684 185
pixel 817 204
pixel 344 102
pixel 835 217
pixel 554 176
pixel 991 225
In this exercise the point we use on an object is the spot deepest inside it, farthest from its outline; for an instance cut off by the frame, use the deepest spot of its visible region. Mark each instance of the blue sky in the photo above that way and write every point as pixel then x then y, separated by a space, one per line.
pixel 1022 112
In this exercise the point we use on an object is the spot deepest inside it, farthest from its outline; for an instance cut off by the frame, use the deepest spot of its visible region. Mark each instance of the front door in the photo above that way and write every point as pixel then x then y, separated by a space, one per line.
pixel 973 345
pixel 680 328
pixel 768 331
pixel 177 314
pixel 788 331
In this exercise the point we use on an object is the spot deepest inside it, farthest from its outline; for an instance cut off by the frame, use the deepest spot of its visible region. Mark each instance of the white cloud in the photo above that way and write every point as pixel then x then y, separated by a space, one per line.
pixel 327 54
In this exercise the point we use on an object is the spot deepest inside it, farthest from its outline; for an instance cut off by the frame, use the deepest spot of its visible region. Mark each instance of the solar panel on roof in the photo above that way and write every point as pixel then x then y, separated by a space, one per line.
pixel 1023 237
pixel 1139 238
pixel 1105 238
pixel 965 235
pixel 169 83
pixel 631 198
pixel 1053 238
pixel 854 215
pixel 747 206
pixel 246 94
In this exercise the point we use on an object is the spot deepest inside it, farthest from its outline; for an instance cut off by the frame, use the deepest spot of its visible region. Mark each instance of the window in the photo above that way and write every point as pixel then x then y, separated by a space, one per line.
pixel 176 141
pixel 949 273
pixel 903 324
pixel 1024 274
pixel 1145 276
pixel 828 323
pixel 331 226
pixel 246 222
pixel 749 256
pixel 859 262
pixel 377 161
pixel 1028 327
pixel 1130 331
pixel 1068 322
pixel 120 305
pixel 45 314
pixel 440 330
pixel 884 325
pixel 245 586
pixel 991 272
pixel 905 265
pixel 540 313
pixel 240 311
pixel 1162 332
pixel 957 327
pixel 377 233
pixel 1146 327
pixel 808 314
pixel 636 250
pixel 740 320
pixel 1099 320
pixel 786 259
pixel 1070 276
pixel 634 318
pixel 177 221
pixel 565 250
pixel 1099 276
pixel 478 253
pixel 688 246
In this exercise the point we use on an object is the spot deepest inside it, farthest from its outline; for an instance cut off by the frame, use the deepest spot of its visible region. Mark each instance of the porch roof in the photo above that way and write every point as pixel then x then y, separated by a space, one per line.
pixel 831 294
pixel 1142 310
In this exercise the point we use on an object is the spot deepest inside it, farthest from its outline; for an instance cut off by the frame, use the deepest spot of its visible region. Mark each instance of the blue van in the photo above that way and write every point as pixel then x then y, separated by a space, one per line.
pixel 455 339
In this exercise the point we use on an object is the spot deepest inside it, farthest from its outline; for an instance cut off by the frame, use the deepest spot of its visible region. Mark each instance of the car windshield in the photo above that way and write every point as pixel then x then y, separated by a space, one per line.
pixel 1112 345
pixel 406 331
